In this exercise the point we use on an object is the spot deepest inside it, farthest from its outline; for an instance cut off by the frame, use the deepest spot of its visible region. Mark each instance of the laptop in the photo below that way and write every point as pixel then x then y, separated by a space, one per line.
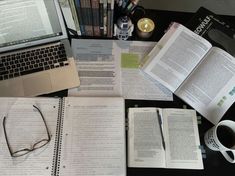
pixel 35 54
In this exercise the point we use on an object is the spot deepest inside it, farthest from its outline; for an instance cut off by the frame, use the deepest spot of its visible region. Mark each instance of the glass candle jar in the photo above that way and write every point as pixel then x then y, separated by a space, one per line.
pixel 145 27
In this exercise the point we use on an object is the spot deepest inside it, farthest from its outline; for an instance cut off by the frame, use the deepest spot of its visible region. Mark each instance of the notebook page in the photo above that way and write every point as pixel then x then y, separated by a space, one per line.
pixel 93 137
pixel 24 127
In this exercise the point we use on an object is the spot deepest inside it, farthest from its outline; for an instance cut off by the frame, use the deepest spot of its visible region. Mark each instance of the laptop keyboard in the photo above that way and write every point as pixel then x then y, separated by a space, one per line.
pixel 31 61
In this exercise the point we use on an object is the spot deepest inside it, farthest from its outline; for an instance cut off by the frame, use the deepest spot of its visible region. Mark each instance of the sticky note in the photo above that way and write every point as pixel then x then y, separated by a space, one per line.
pixel 129 60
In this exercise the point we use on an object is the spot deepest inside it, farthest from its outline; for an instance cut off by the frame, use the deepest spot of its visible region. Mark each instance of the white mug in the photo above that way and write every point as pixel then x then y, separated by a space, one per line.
pixel 221 138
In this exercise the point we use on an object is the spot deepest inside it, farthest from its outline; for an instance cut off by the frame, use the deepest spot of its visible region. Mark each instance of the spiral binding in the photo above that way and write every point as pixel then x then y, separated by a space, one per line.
pixel 58 140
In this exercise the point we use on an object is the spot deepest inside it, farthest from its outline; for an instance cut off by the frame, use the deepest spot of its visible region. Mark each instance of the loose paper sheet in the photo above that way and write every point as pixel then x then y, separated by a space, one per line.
pixel 135 83
pixel 111 68
pixel 98 67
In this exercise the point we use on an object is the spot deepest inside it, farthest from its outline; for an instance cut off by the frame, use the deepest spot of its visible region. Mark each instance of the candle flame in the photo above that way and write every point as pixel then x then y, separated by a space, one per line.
pixel 145 25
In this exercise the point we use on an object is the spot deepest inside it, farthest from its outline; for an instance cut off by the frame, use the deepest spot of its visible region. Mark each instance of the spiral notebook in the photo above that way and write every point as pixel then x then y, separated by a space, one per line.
pixel 87 136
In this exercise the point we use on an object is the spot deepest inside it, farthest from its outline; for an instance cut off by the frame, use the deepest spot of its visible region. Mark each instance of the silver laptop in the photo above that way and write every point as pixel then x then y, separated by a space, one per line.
pixel 35 55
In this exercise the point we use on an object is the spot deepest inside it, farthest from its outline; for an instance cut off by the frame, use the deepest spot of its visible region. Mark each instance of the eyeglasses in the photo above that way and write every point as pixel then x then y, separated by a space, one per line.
pixel 35 146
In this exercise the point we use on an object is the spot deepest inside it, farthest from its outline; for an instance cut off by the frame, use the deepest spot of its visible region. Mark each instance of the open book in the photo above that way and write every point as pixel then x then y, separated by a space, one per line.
pixel 169 142
pixel 188 65
pixel 87 136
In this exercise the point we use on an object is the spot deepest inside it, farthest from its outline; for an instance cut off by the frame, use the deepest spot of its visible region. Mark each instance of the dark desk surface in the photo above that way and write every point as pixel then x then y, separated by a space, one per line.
pixel 214 163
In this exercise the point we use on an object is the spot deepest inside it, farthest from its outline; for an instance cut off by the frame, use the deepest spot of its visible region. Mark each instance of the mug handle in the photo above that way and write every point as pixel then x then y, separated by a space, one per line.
pixel 227 157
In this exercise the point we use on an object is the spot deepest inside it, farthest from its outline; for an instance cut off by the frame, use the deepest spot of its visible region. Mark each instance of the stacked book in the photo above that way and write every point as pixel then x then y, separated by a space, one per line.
pixel 92 17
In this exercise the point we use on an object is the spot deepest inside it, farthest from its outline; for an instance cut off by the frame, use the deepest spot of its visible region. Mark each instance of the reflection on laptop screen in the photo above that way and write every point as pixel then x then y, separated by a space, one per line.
pixel 24 21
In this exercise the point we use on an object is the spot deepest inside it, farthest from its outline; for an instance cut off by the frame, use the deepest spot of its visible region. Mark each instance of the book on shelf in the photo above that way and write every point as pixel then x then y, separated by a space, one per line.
pixel 110 11
pixel 75 16
pixel 79 14
pixel 218 31
pixel 86 15
pixel 101 17
pixel 200 74
pixel 95 16
pixel 105 17
pixel 87 136
pixel 89 17
pixel 163 138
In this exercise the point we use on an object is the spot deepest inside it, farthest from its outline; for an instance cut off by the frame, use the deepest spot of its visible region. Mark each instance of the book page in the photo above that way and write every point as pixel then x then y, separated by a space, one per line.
pixel 25 127
pixel 93 140
pixel 145 147
pixel 182 139
pixel 210 88
pixel 177 57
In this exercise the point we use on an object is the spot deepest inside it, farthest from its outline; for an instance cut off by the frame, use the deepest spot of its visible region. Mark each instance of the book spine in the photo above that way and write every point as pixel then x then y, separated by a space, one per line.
pixel 75 16
pixel 89 11
pixel 109 18
pixel 101 17
pixel 88 18
pixel 80 18
pixel 105 16
pixel 84 15
pixel 58 139
pixel 95 17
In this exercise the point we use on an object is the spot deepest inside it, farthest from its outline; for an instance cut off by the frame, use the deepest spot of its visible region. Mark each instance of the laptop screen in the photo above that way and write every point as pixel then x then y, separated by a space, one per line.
pixel 24 21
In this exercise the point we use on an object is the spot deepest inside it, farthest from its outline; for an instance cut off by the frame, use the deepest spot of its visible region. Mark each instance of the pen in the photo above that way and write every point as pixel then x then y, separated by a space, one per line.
pixel 124 4
pixel 160 123
pixel 119 2
pixel 131 6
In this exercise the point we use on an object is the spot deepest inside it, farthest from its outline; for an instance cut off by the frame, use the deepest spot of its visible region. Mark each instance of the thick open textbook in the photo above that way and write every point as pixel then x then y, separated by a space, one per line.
pixel 188 65
pixel 87 136
pixel 163 138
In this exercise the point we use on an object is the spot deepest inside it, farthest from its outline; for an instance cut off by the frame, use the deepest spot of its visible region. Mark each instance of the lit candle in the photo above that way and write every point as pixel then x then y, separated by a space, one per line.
pixel 145 27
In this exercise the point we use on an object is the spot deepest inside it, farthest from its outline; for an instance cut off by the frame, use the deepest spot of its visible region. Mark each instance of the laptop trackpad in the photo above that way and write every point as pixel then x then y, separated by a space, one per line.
pixel 37 85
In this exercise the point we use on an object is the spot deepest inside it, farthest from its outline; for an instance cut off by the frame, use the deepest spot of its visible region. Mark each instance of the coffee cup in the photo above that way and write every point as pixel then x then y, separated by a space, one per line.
pixel 221 138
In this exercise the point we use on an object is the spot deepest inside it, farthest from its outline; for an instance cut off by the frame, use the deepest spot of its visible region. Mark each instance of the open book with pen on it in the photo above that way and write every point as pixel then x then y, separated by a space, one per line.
pixel 87 136
pixel 169 142
pixel 202 75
